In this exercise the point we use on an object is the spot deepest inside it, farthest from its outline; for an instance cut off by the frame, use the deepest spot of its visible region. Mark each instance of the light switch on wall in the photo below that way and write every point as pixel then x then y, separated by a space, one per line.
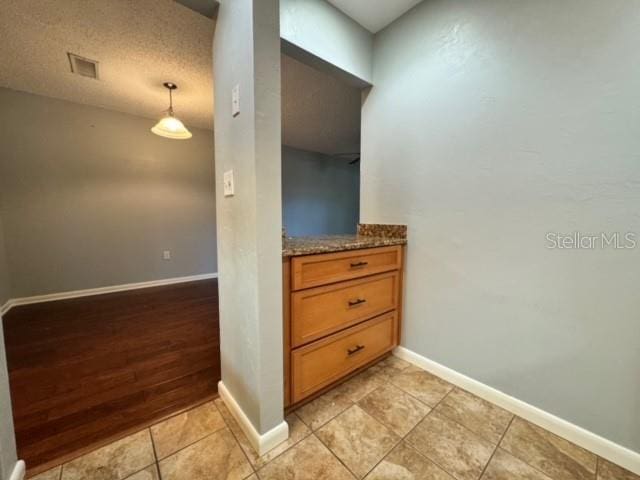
pixel 166 255
pixel 227 181
pixel 235 101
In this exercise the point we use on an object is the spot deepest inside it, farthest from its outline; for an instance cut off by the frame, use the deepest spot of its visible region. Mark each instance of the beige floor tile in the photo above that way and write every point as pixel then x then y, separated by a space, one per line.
pixel 53 474
pixel 388 368
pixel 556 457
pixel 308 460
pixel 217 456
pixel 297 431
pixel 484 418
pixel 394 408
pixel 177 432
pixel 357 439
pixel 361 385
pixel 504 466
pixel 404 463
pixel 609 471
pixel 457 450
pixel 319 411
pixel 115 461
pixel 149 473
pixel 230 420
pixel 424 386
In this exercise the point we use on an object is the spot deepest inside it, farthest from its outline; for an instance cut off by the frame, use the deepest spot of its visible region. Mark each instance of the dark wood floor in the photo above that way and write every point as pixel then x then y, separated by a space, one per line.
pixel 87 370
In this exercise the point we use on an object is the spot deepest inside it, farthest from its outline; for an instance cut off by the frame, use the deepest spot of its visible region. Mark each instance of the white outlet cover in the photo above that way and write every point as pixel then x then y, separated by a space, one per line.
pixel 227 182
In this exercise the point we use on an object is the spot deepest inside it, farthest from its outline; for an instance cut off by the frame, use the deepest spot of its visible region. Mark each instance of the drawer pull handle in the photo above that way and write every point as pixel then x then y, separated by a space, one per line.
pixel 353 303
pixel 355 349
pixel 359 264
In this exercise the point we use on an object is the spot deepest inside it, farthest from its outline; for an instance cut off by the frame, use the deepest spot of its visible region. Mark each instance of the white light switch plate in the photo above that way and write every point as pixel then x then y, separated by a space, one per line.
pixel 227 181
pixel 235 101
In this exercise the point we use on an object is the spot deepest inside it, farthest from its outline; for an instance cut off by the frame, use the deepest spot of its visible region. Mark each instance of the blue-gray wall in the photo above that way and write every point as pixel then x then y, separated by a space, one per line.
pixel 93 198
pixel 490 124
pixel 320 194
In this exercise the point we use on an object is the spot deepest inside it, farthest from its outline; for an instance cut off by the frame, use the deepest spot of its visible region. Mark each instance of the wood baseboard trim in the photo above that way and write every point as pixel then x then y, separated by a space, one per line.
pixel 261 443
pixel 14 302
pixel 19 471
pixel 594 443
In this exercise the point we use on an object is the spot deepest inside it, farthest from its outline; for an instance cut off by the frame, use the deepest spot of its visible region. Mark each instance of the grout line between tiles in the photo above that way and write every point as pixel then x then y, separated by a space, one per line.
pixel 452 420
pixel 155 455
pixel 195 405
pixel 400 438
pixel 153 445
pixel 496 448
pixel 228 427
pixel 335 456
pixel 513 454
pixel 453 387
pixel 283 452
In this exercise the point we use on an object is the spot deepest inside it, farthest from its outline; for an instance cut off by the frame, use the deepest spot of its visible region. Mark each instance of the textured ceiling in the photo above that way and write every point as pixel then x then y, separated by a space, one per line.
pixel 374 15
pixel 139 44
pixel 319 112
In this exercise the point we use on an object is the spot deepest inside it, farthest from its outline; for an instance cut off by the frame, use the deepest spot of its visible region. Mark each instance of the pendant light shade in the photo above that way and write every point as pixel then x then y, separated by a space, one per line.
pixel 170 126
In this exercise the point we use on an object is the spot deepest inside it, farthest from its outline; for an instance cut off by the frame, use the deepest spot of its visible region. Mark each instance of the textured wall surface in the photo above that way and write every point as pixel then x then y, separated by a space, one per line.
pixel 320 194
pixel 8 455
pixel 5 288
pixel 320 113
pixel 249 223
pixel 91 197
pixel 491 124
pixel 321 29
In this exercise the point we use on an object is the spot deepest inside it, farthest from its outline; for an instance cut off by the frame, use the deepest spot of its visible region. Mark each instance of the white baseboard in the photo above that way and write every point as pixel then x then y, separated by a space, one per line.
pixel 261 443
pixel 18 471
pixel 14 302
pixel 600 446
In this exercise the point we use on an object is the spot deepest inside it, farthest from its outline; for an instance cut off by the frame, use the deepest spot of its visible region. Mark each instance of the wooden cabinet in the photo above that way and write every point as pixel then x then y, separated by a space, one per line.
pixel 341 311
pixel 313 270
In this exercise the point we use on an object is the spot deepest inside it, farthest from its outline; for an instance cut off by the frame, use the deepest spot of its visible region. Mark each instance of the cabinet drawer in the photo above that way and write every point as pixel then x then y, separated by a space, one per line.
pixel 320 311
pixel 318 364
pixel 315 270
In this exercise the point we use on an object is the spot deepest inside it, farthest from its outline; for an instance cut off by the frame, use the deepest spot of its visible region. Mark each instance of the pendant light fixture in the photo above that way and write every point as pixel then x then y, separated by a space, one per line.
pixel 170 126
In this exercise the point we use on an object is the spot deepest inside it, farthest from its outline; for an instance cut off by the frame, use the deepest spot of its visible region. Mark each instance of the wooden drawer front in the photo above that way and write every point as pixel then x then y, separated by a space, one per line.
pixel 315 270
pixel 318 364
pixel 323 310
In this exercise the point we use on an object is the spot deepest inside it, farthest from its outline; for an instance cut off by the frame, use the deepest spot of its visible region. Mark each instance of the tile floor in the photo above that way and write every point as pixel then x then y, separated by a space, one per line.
pixel 391 422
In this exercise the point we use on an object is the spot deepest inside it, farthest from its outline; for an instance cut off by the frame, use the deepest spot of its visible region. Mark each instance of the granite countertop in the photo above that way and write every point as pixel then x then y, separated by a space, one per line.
pixel 294 246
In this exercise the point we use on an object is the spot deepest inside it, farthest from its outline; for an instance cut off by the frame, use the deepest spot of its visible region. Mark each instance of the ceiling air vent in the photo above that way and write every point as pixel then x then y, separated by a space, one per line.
pixel 83 66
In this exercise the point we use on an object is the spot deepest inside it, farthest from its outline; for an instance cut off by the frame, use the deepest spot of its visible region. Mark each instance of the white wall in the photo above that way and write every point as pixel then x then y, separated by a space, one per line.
pixel 490 124
pixel 319 28
pixel 246 52
pixel 5 289
pixel 92 198
pixel 8 456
